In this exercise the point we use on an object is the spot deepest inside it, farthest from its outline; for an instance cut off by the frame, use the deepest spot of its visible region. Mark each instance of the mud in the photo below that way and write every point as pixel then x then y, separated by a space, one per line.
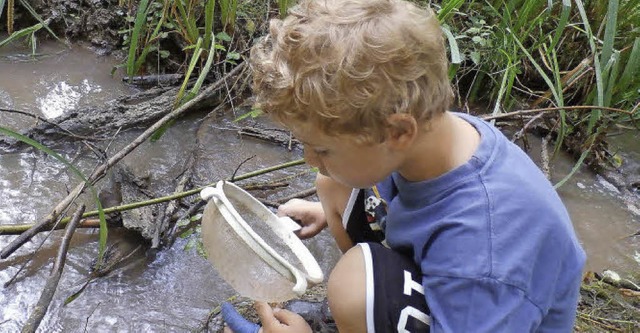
pixel 94 21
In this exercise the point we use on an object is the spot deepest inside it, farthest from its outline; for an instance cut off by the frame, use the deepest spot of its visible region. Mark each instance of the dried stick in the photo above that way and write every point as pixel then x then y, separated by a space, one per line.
pixel 544 156
pixel 164 217
pixel 52 282
pixel 302 194
pixel 559 108
pixel 173 234
pixel 101 171
pixel 16 229
pixel 280 201
pixel 233 176
pixel 24 227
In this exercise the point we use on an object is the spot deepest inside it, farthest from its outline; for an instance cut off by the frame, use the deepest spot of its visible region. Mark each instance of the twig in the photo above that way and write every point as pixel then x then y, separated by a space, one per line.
pixel 574 107
pixel 52 282
pixel 276 182
pixel 233 176
pixel 301 194
pixel 29 226
pixel 86 322
pixel 544 156
pixel 192 210
pixel 164 217
pixel 16 229
pixel 264 187
pixel 101 171
pixel 280 201
pixel 599 321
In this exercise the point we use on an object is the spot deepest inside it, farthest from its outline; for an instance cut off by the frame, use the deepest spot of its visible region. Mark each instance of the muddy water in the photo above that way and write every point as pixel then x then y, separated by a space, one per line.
pixel 171 290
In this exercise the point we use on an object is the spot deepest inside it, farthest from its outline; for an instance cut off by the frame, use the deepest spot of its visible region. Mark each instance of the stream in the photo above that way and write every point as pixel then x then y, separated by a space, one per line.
pixel 173 289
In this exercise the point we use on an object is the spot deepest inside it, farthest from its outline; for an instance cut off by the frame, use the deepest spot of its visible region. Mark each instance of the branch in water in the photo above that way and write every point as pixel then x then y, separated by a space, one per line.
pixel 52 282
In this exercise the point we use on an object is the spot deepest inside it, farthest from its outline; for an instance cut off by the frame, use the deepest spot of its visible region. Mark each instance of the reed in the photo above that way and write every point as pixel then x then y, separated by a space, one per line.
pixel 228 11
pixel 134 39
pixel 554 53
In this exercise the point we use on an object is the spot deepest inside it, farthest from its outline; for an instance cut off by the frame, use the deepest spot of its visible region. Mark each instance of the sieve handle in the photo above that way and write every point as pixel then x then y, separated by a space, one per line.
pixel 209 192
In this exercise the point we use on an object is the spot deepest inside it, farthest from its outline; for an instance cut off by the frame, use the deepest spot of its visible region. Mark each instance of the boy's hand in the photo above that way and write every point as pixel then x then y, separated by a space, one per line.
pixel 308 213
pixel 280 320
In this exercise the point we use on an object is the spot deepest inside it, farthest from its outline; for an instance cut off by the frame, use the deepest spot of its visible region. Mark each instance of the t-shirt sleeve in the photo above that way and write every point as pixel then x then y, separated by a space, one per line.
pixel 478 305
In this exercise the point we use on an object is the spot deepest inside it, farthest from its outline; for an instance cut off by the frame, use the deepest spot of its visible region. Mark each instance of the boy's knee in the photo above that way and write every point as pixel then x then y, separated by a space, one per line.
pixel 347 292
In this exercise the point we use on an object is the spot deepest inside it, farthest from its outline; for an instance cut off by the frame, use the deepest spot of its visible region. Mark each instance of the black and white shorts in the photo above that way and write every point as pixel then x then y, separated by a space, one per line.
pixel 395 299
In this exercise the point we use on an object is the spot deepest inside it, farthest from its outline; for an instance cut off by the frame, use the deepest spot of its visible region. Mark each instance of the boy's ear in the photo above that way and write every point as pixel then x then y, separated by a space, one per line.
pixel 402 130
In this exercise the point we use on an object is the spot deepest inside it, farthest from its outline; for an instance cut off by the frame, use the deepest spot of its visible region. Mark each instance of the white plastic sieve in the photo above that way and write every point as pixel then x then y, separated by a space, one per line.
pixel 254 250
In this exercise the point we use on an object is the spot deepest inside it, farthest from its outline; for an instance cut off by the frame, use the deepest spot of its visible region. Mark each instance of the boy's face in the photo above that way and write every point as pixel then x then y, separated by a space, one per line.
pixel 346 161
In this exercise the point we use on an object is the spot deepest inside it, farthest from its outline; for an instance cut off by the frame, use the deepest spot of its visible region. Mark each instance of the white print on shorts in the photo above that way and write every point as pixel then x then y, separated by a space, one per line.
pixel 409 311
pixel 371 204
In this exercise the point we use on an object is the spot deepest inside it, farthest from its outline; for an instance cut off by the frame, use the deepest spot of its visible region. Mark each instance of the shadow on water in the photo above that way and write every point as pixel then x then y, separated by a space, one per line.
pixel 173 289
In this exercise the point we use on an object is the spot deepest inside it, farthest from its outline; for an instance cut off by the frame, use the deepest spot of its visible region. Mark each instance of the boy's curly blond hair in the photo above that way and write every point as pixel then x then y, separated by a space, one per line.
pixel 346 65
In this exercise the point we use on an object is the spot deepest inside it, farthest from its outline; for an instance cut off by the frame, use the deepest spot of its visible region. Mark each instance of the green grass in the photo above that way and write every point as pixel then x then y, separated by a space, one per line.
pixel 549 53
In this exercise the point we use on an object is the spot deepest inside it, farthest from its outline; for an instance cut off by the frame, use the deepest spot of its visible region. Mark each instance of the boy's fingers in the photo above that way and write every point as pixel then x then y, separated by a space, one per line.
pixel 308 231
pixel 287 317
pixel 285 209
pixel 265 312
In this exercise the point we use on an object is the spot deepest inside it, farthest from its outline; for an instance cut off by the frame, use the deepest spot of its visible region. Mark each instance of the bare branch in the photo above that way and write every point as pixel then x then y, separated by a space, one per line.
pixel 52 282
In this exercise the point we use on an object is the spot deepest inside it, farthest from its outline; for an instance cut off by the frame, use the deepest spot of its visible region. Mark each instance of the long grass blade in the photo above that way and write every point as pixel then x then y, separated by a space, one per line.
pixel 283 6
pixel 456 57
pixel 541 71
pixel 448 8
pixel 21 33
pixel 525 14
pixel 575 168
pixel 228 10
pixel 103 222
pixel 148 45
pixel 180 99
pixel 503 88
pixel 45 23
pixel 595 114
pixel 204 72
pixel 141 18
pixel 209 11
pixel 632 68
pixel 611 72
pixel 560 102
pixel 609 31
pixel 192 64
pixel 562 23
pixel 188 22
pixel 2 2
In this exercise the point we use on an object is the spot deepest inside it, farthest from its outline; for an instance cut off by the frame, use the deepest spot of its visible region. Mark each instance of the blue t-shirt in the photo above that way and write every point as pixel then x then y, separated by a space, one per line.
pixel 494 242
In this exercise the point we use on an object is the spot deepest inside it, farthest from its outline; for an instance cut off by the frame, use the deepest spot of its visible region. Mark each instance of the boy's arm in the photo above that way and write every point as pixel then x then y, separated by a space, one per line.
pixel 479 305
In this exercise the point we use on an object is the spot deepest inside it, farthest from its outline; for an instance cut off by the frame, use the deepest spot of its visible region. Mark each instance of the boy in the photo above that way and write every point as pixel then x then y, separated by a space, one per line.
pixel 455 228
